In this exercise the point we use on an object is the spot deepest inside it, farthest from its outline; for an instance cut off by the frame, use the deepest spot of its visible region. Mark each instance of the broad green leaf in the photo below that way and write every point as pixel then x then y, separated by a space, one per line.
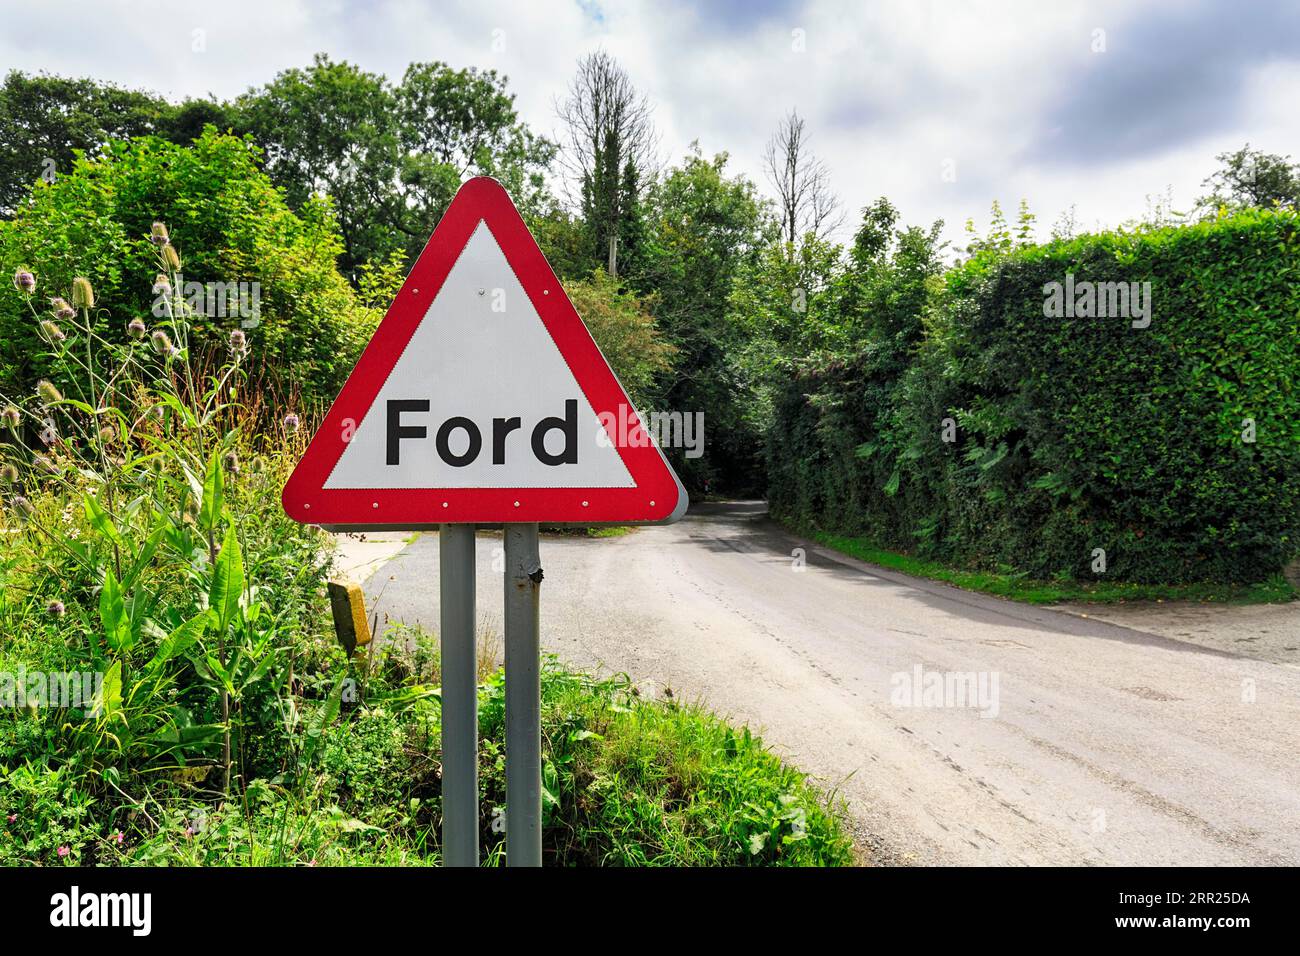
pixel 112 614
pixel 227 581
pixel 144 555
pixel 353 825
pixel 180 640
pixel 220 673
pixel 100 521
pixel 260 671
pixel 171 401
pixel 327 714
pixel 323 718
pixel 214 494
pixel 110 694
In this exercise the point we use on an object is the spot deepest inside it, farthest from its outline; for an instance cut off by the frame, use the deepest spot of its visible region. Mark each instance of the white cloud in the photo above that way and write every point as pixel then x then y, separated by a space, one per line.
pixel 1008 91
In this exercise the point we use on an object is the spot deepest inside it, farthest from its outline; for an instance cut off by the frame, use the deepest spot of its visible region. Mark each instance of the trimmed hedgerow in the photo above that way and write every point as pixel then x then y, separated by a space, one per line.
pixel 1173 447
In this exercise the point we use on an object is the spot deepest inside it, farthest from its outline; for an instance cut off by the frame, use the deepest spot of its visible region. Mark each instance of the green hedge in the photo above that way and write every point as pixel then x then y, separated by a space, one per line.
pixel 1073 434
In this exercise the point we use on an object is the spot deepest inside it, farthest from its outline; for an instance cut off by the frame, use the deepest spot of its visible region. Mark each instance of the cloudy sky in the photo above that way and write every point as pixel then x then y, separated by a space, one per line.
pixel 942 106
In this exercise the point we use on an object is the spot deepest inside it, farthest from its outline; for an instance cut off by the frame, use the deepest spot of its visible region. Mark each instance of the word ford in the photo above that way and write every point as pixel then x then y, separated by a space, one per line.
pixel 502 428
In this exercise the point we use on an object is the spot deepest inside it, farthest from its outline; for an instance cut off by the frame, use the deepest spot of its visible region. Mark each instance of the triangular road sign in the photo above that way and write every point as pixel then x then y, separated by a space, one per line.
pixel 481 399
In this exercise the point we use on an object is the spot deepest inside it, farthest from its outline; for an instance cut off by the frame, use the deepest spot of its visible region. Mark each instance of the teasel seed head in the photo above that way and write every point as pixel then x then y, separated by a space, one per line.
pixel 48 393
pixel 83 295
pixel 51 332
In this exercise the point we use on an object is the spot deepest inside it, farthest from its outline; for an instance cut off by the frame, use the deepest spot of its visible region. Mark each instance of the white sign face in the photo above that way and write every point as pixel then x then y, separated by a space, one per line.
pixel 480 398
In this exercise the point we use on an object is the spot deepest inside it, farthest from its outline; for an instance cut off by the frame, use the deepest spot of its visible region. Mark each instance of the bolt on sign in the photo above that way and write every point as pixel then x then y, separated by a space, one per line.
pixel 481 399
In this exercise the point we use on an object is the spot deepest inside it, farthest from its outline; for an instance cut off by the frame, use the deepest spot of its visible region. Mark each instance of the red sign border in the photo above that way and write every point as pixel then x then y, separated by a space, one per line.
pixel 657 496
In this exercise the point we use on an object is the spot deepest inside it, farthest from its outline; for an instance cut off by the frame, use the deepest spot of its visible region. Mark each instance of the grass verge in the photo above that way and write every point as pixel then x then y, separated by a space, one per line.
pixel 1018 587
pixel 627 781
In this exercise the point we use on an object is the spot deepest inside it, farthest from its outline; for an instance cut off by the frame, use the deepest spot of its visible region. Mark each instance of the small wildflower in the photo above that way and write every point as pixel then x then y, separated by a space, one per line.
pixel 135 328
pixel 63 851
pixel 171 257
pixel 55 608
pixel 47 392
pixel 189 832
pixel 291 423
pixel 83 295
pixel 11 417
pixel 8 473
pixel 61 309
pixel 13 818
pixel 158 234
pixel 51 332
pixel 162 344
pixel 24 282
pixel 117 837
pixel 49 435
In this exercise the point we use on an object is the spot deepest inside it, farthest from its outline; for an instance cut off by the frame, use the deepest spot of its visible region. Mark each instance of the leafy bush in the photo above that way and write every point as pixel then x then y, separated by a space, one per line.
pixel 1175 447
pixel 232 226
pixel 624 328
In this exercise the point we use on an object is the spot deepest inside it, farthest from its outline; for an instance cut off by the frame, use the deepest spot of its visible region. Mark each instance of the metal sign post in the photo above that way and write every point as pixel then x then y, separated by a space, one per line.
pixel 427 431
pixel 459 696
pixel 523 586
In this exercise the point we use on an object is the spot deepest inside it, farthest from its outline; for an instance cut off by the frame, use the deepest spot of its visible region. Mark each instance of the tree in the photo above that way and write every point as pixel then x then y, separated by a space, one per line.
pixel 610 148
pixel 1251 177
pixel 703 227
pixel 184 123
pixel 454 124
pixel 784 305
pixel 329 129
pixel 624 328
pixel 805 201
pixel 47 119
pixel 391 157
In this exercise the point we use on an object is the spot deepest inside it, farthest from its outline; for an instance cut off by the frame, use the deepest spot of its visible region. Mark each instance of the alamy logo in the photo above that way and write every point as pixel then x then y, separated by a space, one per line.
pixel 74 908
pixel 922 688
pixel 665 429
pixel 81 690
pixel 1098 300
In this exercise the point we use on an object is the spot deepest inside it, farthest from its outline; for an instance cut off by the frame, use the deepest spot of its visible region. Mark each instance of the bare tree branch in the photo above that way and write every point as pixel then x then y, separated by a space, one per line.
pixel 603 104
pixel 610 149
pixel 802 183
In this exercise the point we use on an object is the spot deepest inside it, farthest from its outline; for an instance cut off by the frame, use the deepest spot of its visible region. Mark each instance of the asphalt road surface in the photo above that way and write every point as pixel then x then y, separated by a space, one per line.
pixel 1089 744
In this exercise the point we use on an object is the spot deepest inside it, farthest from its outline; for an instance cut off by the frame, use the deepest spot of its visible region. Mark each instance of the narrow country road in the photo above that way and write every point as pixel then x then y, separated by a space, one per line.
pixel 1103 745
